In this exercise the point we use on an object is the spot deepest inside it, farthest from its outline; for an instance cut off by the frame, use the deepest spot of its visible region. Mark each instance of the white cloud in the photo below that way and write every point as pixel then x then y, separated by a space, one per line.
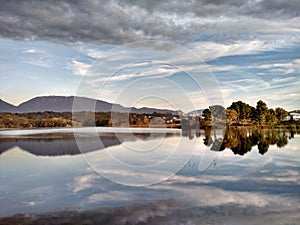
pixel 37 57
pixel 96 54
pixel 33 51
pixel 212 50
pixel 289 71
pixel 146 72
pixel 283 80
pixel 79 68
pixel 83 182
pixel 273 65
pixel 280 67
pixel 296 62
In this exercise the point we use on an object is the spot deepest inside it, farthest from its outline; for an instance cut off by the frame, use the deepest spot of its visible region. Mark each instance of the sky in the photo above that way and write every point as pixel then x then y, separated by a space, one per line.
pixel 169 54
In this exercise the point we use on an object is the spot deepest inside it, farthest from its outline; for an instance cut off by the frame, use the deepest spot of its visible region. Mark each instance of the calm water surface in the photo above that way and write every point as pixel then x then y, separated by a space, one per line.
pixel 156 176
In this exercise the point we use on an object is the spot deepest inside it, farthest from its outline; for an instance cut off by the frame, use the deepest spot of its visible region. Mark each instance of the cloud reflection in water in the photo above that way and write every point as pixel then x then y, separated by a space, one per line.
pixel 247 189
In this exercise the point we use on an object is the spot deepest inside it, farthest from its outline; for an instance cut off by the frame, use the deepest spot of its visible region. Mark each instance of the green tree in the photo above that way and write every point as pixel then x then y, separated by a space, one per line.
pixel 281 114
pixel 270 116
pixel 261 111
pixel 245 112
pixel 231 116
pixel 207 114
pixel 207 117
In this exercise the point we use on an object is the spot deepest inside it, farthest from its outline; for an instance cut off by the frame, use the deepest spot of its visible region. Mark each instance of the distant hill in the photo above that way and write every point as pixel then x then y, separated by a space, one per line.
pixel 295 111
pixel 6 107
pixel 65 104
pixel 62 104
pixel 197 112
pixel 151 110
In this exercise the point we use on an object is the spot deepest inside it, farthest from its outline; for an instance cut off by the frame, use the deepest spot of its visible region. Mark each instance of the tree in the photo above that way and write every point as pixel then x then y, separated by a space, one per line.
pixel 270 116
pixel 207 117
pixel 281 114
pixel 207 114
pixel 231 116
pixel 245 112
pixel 261 111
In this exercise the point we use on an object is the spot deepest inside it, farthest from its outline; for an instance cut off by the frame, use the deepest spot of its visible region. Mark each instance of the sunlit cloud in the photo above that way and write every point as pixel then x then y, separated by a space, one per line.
pixel 212 50
pixel 79 68
pixel 33 51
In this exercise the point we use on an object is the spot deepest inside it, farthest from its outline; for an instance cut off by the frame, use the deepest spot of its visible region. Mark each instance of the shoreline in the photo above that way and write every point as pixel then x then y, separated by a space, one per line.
pixel 168 127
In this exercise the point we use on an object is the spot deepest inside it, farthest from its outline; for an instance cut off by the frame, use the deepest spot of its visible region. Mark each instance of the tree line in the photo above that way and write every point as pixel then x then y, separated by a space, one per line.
pixel 82 119
pixel 237 114
pixel 240 113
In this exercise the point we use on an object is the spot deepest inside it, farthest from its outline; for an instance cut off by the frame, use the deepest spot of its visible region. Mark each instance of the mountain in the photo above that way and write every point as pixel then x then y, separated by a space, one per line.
pixel 151 110
pixel 65 104
pixel 197 112
pixel 295 111
pixel 6 107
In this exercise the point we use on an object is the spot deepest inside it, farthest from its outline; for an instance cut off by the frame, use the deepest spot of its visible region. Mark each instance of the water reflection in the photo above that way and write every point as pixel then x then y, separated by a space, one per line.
pixel 242 140
pixel 65 144
pixel 263 189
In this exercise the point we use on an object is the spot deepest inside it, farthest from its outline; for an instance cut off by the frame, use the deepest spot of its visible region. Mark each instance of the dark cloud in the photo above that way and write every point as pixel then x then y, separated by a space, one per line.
pixel 118 22
pixel 286 8
pixel 83 21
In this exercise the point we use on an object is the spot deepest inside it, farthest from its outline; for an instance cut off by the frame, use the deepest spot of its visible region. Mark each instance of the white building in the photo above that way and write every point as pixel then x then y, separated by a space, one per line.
pixel 295 115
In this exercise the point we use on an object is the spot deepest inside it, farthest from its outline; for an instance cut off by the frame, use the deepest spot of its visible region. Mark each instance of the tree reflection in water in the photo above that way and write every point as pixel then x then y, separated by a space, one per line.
pixel 241 140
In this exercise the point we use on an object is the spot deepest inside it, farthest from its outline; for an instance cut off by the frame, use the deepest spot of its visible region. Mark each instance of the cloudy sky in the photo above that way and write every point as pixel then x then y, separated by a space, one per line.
pixel 199 51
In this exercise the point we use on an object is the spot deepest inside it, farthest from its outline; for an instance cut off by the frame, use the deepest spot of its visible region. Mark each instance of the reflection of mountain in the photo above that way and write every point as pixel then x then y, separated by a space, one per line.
pixel 56 145
pixel 241 141
pixel 65 144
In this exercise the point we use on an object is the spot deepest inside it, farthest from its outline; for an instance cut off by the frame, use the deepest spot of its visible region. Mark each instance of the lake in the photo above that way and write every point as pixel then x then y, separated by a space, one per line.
pixel 149 176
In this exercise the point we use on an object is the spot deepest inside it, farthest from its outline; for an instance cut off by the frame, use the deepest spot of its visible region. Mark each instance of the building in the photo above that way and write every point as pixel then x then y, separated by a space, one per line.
pixel 294 114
